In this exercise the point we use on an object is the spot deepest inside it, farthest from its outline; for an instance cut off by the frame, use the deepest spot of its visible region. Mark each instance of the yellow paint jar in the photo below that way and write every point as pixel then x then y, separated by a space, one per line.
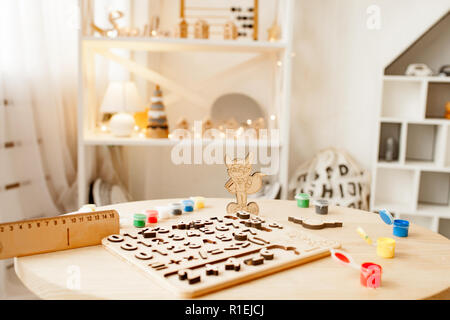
pixel 386 247
pixel 199 202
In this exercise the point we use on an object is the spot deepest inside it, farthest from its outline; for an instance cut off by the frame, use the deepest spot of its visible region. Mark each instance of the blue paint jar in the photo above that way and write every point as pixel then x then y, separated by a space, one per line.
pixel 188 205
pixel 401 228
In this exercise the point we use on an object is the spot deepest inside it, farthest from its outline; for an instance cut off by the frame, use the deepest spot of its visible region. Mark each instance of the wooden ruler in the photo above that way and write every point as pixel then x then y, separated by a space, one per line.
pixel 24 238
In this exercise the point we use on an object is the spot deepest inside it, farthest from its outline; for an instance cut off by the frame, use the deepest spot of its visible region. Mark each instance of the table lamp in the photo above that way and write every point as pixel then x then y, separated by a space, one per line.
pixel 121 98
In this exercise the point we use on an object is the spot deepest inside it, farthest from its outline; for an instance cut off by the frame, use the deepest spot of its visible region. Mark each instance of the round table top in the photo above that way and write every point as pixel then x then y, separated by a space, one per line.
pixel 419 270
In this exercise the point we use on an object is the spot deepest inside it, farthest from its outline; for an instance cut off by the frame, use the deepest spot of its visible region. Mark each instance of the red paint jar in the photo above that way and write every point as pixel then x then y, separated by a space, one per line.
pixel 370 275
pixel 152 216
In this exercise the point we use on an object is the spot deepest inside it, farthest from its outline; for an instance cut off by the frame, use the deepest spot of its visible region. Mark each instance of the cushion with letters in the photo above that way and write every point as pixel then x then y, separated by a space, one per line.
pixel 333 175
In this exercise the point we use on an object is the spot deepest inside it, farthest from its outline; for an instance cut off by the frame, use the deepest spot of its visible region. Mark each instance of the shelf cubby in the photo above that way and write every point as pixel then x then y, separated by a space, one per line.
pixel 389 129
pixel 393 189
pixel 402 99
pixel 434 190
pixel 438 96
pixel 421 142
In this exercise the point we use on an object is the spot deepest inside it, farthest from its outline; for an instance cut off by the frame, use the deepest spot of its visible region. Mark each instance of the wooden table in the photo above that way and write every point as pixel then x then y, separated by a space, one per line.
pixel 420 269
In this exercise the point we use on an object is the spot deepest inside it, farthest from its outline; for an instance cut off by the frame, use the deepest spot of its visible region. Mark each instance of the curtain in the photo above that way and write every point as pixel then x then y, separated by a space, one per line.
pixel 38 108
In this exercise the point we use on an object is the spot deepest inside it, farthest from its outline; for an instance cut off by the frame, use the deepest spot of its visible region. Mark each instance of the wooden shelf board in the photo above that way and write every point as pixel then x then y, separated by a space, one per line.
pixel 174 44
pixel 423 210
pixel 413 165
pixel 393 207
pixel 414 78
pixel 429 121
pixel 432 210
pixel 109 140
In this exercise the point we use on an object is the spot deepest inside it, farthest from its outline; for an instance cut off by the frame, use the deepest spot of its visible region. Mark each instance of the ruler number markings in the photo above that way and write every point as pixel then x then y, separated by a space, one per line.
pixel 47 223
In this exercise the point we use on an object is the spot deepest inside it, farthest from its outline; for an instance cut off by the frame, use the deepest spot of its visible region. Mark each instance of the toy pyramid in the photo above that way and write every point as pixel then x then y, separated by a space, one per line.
pixel 157 121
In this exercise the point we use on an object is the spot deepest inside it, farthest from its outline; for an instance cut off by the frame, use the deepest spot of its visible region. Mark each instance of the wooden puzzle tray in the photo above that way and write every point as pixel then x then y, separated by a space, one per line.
pixel 192 257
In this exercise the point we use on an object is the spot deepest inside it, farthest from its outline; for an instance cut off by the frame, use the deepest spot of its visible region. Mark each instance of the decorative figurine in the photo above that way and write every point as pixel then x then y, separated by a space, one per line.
pixel 274 31
pixel 183 125
pixel 230 31
pixel 419 70
pixel 391 149
pixel 154 26
pixel 241 183
pixel 157 126
pixel 207 125
pixel 182 29
pixel 201 30
pixel 116 30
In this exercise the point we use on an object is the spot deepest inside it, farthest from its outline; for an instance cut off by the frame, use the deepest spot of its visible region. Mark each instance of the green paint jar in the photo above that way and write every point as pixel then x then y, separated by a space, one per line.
pixel 139 220
pixel 302 200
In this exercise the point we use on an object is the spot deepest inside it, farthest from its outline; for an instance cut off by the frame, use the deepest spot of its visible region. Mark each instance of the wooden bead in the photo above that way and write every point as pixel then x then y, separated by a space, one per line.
pixel 115 238
pixel 240 236
pixel 128 247
pixel 266 254
pixel 143 256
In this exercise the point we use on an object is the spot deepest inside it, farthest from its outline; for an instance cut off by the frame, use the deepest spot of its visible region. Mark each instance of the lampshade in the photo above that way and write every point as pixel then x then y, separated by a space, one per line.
pixel 121 96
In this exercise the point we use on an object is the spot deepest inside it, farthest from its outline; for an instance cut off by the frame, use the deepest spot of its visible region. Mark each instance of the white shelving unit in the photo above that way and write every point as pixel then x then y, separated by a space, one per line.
pixel 416 185
pixel 90 47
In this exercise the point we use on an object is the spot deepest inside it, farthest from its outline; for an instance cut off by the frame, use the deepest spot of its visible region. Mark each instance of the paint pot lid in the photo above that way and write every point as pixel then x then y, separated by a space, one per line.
pixel 386 216
pixel 176 205
pixel 321 203
pixel 302 196
pixel 343 258
pixel 188 202
pixel 139 217
pixel 401 223
pixel 151 213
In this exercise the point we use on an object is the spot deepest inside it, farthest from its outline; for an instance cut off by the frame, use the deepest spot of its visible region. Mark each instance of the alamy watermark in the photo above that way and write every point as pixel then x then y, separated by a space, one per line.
pixel 211 147
pixel 373 21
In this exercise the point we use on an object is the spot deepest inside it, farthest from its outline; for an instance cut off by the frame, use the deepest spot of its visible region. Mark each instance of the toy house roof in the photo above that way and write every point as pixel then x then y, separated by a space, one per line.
pixel 431 48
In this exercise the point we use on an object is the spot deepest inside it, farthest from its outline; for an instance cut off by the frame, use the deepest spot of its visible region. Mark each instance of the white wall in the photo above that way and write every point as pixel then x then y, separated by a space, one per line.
pixel 338 68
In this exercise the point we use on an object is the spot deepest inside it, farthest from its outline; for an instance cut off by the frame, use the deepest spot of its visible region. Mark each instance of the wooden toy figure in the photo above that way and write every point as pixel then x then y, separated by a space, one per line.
pixel 201 30
pixel 230 31
pixel 182 29
pixel 207 125
pixel 183 125
pixel 241 183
